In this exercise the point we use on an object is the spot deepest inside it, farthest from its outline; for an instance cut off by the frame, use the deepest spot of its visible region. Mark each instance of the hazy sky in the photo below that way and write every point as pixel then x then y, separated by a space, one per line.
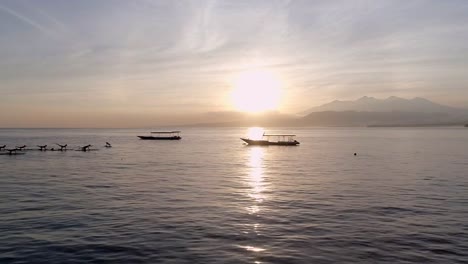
pixel 128 62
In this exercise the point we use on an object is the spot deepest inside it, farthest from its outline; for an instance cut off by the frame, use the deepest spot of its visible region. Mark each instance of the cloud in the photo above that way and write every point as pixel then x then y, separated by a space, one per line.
pixel 26 20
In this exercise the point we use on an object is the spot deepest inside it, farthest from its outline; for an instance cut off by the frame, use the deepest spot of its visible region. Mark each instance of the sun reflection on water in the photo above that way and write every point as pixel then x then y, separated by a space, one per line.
pixel 255 180
pixel 254 249
pixel 256 177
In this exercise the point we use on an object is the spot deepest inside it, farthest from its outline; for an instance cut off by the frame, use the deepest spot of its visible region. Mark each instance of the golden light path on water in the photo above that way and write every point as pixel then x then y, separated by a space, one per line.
pixel 256 177
pixel 255 180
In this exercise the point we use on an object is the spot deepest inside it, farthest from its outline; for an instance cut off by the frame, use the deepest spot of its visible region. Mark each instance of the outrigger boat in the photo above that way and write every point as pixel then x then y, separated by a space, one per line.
pixel 278 140
pixel 162 135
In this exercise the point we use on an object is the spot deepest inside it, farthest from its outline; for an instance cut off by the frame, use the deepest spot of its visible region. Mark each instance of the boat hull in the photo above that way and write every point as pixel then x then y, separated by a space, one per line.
pixel 160 138
pixel 269 143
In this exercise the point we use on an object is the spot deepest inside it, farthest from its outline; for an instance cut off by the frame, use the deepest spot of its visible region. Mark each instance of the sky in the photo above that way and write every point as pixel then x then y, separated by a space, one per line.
pixel 122 63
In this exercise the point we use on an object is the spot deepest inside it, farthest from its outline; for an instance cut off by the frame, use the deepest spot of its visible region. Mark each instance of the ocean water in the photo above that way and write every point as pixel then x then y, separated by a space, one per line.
pixel 210 199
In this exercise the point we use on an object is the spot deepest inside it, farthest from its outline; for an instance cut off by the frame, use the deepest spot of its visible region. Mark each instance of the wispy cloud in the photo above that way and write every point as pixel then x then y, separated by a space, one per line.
pixel 26 20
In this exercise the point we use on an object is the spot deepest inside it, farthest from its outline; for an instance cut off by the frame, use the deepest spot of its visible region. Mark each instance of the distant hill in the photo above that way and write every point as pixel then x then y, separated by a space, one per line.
pixel 366 111
pixel 340 119
pixel 392 111
pixel 391 104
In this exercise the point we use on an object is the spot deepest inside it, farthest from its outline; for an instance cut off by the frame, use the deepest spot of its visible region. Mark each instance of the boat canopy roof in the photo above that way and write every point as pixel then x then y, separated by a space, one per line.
pixel 165 132
pixel 278 135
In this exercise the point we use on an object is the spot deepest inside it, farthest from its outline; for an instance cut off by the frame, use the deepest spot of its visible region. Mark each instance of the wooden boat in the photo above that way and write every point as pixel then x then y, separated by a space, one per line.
pixel 273 140
pixel 162 135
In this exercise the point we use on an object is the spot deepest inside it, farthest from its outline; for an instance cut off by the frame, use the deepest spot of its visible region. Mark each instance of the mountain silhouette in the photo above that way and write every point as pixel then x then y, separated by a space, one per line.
pixel 365 111
pixel 391 104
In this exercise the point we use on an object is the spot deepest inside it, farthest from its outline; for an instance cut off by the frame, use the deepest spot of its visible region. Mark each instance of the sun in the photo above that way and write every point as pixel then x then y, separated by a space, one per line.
pixel 256 91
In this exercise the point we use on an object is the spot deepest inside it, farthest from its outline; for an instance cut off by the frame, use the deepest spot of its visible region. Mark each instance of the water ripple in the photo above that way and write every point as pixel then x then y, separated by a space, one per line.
pixel 210 199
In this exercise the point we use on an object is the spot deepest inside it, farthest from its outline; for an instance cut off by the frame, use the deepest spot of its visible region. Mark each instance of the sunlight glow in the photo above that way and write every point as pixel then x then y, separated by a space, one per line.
pixel 256 91
pixel 255 133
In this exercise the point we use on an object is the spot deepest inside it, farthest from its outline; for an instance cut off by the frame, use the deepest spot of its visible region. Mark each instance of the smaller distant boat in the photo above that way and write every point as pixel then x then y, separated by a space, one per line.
pixel 466 125
pixel 273 139
pixel 162 135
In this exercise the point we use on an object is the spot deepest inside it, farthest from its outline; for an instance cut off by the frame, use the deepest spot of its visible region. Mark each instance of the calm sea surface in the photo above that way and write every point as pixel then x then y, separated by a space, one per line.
pixel 210 199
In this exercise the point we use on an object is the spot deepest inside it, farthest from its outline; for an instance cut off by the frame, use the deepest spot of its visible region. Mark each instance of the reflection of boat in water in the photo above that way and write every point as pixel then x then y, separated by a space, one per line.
pixel 12 152
pixel 273 139
pixel 163 135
